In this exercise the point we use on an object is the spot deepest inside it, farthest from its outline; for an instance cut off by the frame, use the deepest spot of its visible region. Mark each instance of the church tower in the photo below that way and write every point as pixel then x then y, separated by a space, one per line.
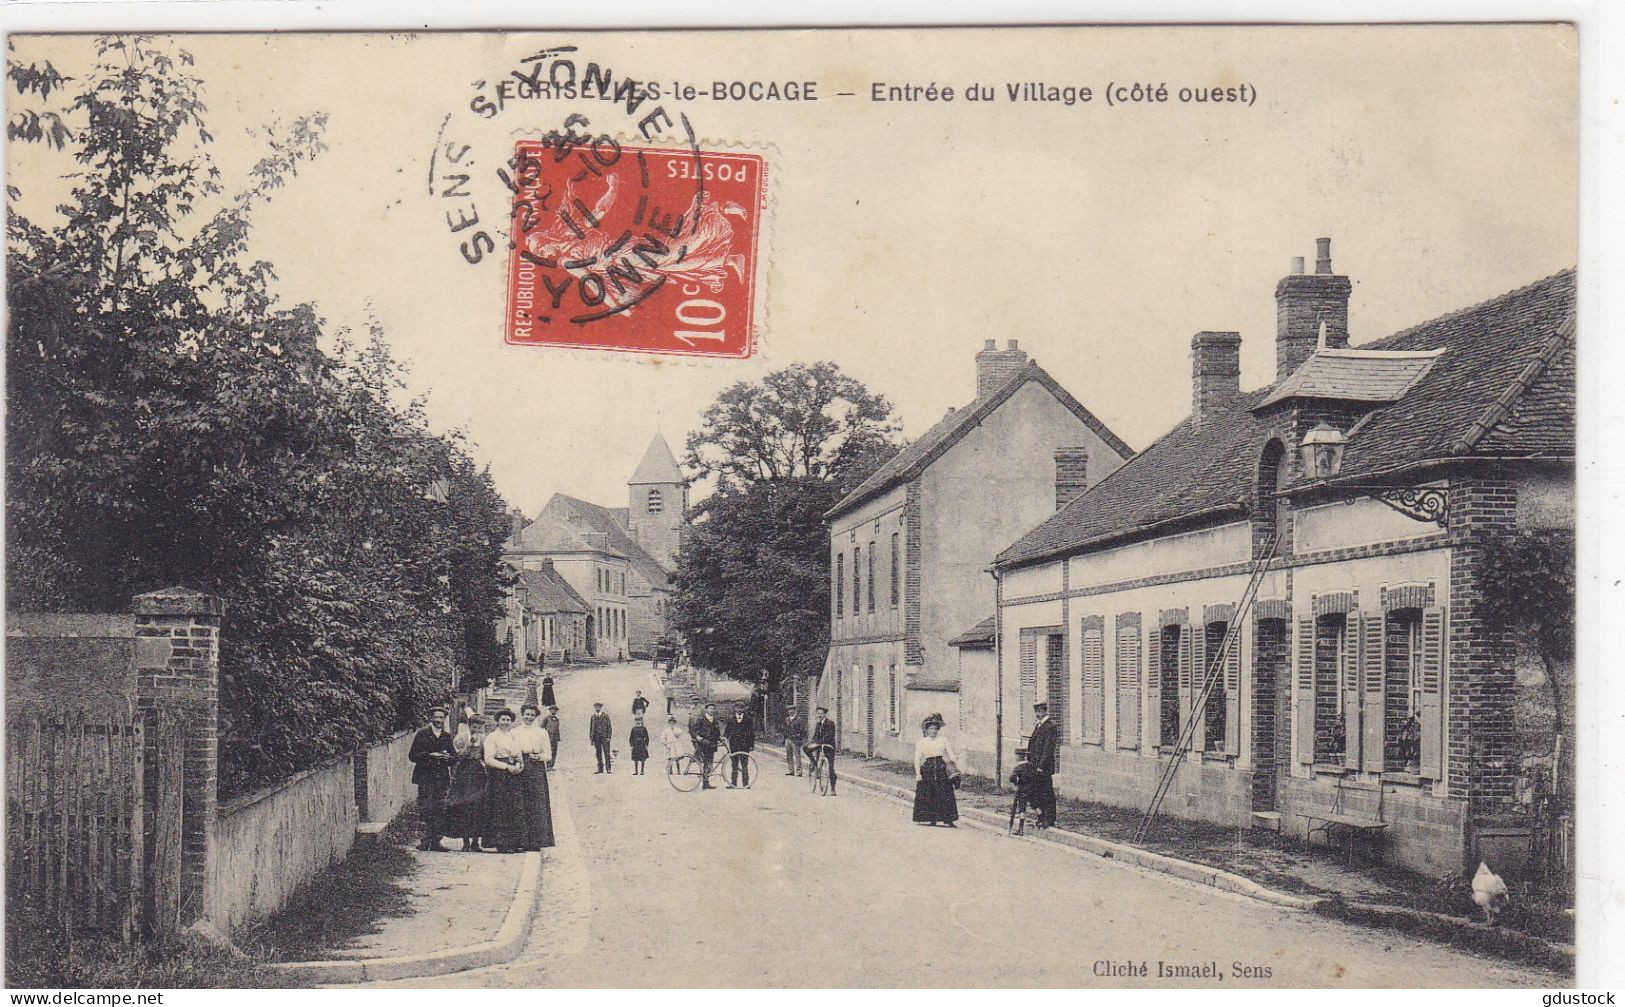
pixel 657 503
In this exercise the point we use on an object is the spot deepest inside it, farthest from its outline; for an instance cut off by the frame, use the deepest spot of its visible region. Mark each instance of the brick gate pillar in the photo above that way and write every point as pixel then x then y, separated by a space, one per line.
pixel 178 667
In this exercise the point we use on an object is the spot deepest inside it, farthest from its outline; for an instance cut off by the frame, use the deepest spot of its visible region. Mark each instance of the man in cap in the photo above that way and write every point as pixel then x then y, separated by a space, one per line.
pixel 706 736
pixel 795 734
pixel 432 753
pixel 599 732
pixel 823 741
pixel 1043 752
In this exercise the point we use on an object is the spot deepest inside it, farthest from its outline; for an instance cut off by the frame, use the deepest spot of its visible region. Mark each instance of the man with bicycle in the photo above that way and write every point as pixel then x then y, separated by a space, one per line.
pixel 741 735
pixel 822 746
pixel 706 734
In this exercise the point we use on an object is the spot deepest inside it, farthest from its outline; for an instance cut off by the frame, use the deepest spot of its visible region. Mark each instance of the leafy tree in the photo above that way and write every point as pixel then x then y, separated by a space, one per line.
pixel 170 422
pixel 753 573
pixel 1528 584
pixel 807 420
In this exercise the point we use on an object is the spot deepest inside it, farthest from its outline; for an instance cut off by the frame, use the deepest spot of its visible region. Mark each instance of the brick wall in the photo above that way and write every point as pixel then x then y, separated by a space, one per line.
pixel 1480 744
pixel 1271 676
pixel 177 665
pixel 913 650
pixel 1071 474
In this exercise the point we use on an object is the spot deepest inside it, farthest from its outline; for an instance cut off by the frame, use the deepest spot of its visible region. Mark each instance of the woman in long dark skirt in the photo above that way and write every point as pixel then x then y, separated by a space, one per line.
pixel 935 767
pixel 465 801
pixel 537 747
pixel 505 790
pixel 548 698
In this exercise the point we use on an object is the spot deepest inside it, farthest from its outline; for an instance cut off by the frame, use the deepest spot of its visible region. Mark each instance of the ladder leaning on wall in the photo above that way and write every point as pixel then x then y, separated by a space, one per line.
pixel 1215 670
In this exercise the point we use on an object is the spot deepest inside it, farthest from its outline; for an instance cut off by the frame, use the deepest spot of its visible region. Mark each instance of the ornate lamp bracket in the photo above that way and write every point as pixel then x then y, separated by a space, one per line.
pixel 1421 503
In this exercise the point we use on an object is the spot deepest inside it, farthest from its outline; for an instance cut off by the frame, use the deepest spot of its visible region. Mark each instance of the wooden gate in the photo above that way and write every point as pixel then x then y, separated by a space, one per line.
pixel 75 855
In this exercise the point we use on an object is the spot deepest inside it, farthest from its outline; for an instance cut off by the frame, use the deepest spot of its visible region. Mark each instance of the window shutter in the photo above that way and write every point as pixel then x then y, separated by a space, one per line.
pixel 1432 712
pixel 1128 687
pixel 1304 723
pixel 1373 711
pixel 1153 685
pixel 1232 694
pixel 1193 671
pixel 1055 685
pixel 1029 681
pixel 1351 690
pixel 1094 686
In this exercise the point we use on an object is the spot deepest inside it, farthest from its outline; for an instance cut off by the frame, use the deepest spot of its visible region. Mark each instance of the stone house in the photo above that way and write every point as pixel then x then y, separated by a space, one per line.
pixel 909 546
pixel 1358 494
pixel 556 616
pixel 621 560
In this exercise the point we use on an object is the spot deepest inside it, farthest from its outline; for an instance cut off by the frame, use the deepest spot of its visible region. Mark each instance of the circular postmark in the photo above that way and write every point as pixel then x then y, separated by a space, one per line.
pixel 613 238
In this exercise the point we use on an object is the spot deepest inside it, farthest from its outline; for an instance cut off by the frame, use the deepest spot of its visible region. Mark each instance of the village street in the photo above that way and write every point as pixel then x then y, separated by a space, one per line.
pixel 777 887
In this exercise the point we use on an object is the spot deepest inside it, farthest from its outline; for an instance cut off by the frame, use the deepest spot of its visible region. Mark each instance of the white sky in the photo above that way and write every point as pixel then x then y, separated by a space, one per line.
pixel 1441 160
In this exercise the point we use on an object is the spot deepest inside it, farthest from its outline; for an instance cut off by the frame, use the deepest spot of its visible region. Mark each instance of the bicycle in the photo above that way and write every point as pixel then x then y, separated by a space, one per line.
pixel 686 772
pixel 817 773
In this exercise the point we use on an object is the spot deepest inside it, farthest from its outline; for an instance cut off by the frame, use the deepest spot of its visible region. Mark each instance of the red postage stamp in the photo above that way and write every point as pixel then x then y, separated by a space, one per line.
pixel 639 249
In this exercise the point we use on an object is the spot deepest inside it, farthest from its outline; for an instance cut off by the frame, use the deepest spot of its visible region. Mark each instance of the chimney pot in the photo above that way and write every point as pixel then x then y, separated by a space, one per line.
pixel 1297 265
pixel 1323 256
pixel 995 367
pixel 991 344
pixel 1306 304
pixel 1013 345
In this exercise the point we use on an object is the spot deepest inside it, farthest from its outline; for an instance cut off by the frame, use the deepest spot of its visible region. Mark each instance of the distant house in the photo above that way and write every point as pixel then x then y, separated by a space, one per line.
pixel 1361 489
pixel 556 622
pixel 909 548
pixel 620 560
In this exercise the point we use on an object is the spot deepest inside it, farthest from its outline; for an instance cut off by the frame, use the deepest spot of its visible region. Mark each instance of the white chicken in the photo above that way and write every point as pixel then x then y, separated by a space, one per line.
pixel 1490 892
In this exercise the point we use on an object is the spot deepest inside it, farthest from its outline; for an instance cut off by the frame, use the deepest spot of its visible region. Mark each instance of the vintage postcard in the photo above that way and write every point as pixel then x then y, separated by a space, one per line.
pixel 911 507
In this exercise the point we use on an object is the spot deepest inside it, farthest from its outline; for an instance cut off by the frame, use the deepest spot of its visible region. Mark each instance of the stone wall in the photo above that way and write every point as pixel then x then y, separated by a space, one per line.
pixel 268 844
pixel 383 779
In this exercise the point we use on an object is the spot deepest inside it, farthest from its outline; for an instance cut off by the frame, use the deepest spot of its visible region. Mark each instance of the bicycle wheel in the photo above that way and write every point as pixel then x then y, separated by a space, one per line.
pixel 684 775
pixel 818 777
pixel 745 763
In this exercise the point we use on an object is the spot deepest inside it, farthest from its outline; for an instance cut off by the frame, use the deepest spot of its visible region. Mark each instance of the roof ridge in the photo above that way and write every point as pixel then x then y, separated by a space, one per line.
pixel 1502 406
pixel 966 419
pixel 1464 311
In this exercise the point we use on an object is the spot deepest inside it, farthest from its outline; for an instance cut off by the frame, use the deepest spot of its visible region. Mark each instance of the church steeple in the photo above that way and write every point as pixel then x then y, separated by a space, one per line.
pixel 657 502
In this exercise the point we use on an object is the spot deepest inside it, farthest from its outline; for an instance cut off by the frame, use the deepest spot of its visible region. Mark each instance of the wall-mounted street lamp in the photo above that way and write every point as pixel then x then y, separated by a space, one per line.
pixel 1323 451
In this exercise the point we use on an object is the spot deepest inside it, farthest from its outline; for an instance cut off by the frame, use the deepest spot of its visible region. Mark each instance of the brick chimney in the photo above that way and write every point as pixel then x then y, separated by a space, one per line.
pixel 1215 373
pixel 995 367
pixel 516 522
pixel 1302 303
pixel 1071 474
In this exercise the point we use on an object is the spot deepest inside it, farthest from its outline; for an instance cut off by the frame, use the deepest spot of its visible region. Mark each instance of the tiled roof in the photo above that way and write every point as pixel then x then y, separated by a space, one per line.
pixel 947 432
pixel 1361 375
pixel 979 635
pixel 658 465
pixel 552 534
pixel 547 591
pixel 1504 387
pixel 612 522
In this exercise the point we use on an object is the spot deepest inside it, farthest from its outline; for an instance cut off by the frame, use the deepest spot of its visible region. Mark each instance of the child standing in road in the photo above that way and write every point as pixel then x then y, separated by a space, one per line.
pixel 676 741
pixel 640 746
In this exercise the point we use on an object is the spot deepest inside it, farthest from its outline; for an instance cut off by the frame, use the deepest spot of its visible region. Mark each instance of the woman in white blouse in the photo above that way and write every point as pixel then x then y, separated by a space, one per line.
pixel 505 758
pixel 936 766
pixel 537 745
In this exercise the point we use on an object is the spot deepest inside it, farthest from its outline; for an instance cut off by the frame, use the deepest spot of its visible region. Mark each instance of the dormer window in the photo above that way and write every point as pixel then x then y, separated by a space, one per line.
pixel 654 502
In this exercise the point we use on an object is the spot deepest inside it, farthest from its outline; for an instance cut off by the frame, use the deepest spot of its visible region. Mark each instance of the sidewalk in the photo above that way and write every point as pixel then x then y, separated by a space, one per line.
pixel 1266 866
